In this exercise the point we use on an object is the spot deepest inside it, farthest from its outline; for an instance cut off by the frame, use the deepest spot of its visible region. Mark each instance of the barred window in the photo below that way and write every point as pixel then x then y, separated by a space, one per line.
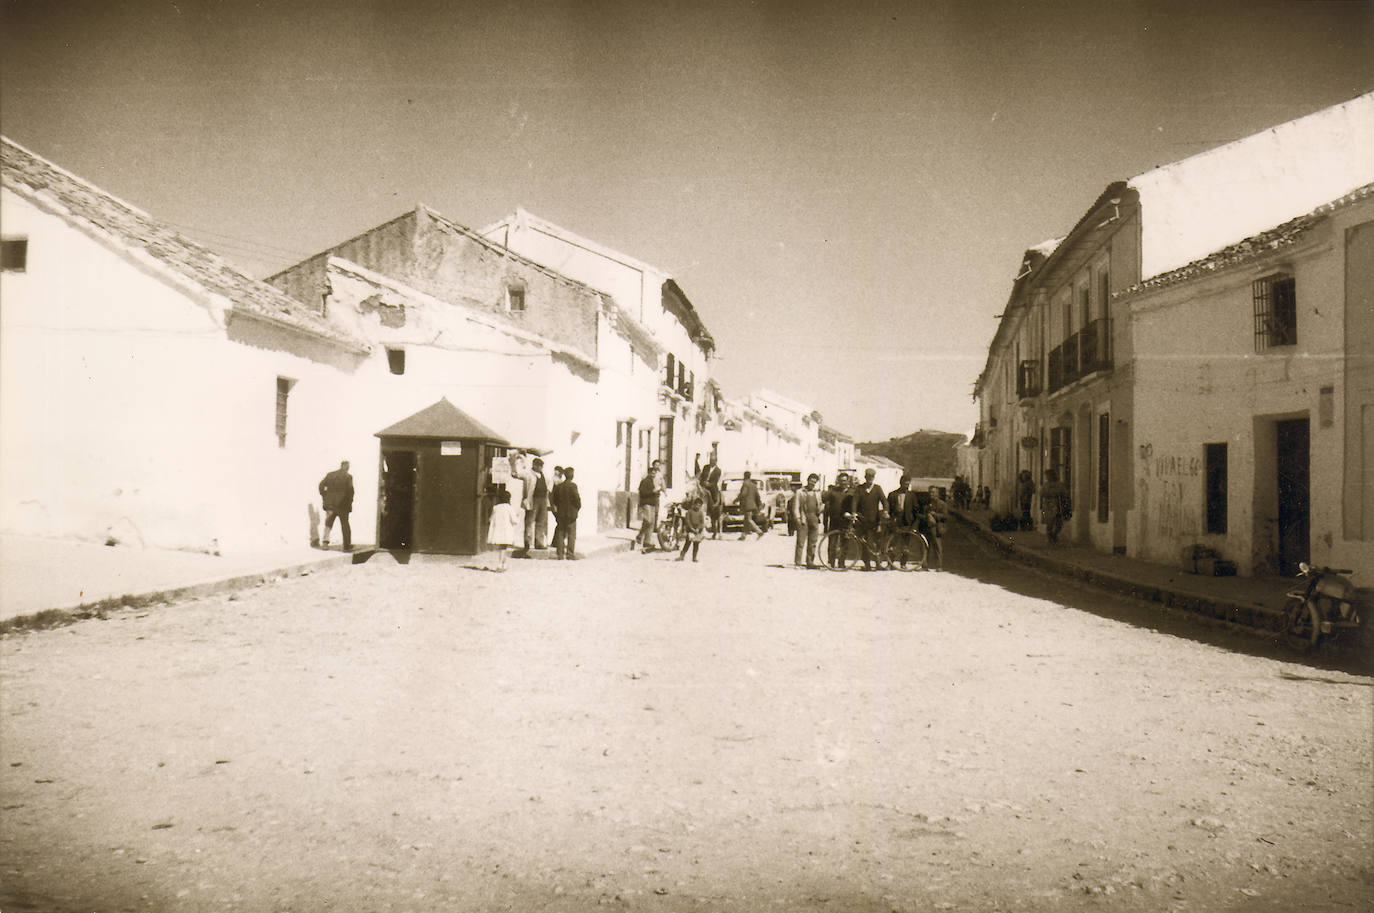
pixel 1276 311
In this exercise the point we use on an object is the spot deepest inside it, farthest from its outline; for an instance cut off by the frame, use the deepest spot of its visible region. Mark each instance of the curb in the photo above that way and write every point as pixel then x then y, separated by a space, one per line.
pixel 1256 617
pixel 59 615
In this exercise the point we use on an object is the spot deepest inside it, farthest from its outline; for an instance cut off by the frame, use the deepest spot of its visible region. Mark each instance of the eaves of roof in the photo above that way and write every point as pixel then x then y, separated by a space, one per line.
pixel 144 237
pixel 1252 248
pixel 1031 262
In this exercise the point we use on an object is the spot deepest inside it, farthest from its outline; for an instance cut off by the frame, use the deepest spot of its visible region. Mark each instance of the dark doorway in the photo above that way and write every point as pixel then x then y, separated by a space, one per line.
pixel 396 497
pixel 1294 496
pixel 1061 458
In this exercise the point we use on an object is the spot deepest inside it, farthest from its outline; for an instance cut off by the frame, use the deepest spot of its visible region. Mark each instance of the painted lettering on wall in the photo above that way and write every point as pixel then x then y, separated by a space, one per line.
pixel 1167 467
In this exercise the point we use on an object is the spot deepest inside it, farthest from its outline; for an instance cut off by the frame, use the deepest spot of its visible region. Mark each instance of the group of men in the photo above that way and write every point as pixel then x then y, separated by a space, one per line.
pixel 817 513
pixel 538 499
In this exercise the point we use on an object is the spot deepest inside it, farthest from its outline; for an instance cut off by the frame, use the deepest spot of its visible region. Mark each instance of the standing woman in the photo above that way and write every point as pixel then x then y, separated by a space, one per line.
pixel 501 530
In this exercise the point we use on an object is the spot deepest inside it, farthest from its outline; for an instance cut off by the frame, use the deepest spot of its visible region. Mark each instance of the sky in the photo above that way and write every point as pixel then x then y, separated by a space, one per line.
pixel 844 191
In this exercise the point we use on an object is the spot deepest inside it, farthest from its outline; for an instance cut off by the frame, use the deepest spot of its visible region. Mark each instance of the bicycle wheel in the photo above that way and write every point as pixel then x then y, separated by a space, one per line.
pixel 877 546
pixel 1302 626
pixel 834 551
pixel 906 551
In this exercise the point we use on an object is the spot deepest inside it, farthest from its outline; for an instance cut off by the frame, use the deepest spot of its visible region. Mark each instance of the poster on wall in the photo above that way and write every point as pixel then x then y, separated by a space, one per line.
pixel 450 448
pixel 500 470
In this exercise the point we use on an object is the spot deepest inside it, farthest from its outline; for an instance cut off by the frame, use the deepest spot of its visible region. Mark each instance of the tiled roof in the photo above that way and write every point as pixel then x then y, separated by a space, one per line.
pixel 442 420
pixel 1252 248
pixel 34 177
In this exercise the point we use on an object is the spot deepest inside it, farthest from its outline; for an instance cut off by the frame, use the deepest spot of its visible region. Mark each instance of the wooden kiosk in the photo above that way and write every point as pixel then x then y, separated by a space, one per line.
pixel 433 481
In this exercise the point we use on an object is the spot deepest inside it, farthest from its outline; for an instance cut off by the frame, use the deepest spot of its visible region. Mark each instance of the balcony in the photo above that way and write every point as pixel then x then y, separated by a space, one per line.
pixel 1084 353
pixel 1028 379
pixel 1095 347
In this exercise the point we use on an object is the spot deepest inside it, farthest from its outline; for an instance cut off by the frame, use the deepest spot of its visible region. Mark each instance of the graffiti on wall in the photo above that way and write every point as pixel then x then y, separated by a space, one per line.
pixel 1167 482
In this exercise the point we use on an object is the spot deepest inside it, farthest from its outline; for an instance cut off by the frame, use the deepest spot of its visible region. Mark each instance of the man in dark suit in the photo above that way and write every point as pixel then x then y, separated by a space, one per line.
pixel 709 479
pixel 870 509
pixel 336 488
pixel 901 504
pixel 565 502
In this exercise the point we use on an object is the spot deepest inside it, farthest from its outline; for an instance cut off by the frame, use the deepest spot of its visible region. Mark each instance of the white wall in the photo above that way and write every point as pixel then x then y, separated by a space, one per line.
pixel 1200 380
pixel 1205 202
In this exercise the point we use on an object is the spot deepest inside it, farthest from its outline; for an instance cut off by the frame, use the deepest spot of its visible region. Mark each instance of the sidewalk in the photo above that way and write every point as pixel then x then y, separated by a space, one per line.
pixel 66 577
pixel 1255 602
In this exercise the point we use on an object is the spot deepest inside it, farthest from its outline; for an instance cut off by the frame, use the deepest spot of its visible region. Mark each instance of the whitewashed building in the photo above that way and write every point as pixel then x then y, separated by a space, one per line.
pixel 543 359
pixel 670 415
pixel 1254 428
pixel 149 393
pixel 1062 381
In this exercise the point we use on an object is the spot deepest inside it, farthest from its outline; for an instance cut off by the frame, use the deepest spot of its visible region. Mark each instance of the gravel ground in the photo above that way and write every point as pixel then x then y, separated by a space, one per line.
pixel 632 732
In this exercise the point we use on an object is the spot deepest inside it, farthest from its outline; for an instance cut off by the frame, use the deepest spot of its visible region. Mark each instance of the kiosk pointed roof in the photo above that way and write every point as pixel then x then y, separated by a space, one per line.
pixel 442 420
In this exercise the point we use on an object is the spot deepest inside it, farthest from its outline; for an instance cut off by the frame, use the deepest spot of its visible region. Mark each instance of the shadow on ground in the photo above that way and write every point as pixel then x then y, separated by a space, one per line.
pixel 968 556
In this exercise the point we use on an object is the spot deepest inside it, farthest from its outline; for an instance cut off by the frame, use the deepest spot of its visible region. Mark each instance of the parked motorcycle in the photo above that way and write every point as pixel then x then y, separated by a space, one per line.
pixel 1327 607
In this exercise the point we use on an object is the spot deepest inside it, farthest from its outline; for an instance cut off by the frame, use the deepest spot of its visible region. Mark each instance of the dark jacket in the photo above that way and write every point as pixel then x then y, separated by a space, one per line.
pixel 869 504
pixel 337 490
pixel 901 506
pixel 648 491
pixel 565 501
pixel 748 497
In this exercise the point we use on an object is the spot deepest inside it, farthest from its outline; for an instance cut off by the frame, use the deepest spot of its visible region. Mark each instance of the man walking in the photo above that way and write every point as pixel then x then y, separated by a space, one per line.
pixel 649 487
pixel 749 504
pixel 1054 501
pixel 808 511
pixel 336 488
pixel 566 502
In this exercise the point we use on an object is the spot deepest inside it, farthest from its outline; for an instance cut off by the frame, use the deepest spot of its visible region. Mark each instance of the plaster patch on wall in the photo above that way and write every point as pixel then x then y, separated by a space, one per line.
pixel 390 315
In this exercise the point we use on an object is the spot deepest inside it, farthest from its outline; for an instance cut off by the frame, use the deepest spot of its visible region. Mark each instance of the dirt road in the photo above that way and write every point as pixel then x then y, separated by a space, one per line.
pixel 641 734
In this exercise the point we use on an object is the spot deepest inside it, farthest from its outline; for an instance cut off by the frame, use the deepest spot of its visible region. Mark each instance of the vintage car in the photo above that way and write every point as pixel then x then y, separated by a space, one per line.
pixel 732 518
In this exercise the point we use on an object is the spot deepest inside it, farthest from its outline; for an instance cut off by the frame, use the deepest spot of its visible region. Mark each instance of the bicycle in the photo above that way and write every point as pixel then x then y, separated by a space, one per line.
pixel 907 549
pixel 843 545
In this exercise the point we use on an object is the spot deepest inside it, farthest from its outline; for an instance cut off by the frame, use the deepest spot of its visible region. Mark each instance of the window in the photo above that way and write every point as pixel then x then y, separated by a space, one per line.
pixel 1104 300
pixel 665 448
pixel 515 299
pixel 670 372
pixel 1276 311
pixel 1215 479
pixel 396 360
pixel 14 255
pixel 1085 306
pixel 284 385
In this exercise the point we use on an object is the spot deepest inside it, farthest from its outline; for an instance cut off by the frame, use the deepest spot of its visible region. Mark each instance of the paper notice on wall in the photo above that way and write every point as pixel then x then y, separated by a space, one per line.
pixel 500 471
pixel 450 448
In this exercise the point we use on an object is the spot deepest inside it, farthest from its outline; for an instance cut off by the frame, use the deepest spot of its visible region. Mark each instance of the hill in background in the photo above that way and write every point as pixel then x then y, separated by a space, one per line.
pixel 924 454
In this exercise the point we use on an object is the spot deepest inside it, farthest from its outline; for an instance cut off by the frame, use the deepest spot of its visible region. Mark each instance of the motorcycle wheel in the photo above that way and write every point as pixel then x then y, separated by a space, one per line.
pixel 1302 625
pixel 668 539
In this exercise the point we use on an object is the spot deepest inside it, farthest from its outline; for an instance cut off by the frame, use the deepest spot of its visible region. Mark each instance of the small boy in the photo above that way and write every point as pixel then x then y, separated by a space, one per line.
pixel 695 516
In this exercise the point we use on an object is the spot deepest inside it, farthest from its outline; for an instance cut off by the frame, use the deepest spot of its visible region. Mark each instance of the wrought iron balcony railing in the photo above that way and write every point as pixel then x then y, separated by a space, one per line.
pixel 1028 379
pixel 1086 352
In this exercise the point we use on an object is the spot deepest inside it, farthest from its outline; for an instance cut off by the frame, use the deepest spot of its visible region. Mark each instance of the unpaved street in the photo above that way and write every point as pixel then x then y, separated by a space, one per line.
pixel 639 734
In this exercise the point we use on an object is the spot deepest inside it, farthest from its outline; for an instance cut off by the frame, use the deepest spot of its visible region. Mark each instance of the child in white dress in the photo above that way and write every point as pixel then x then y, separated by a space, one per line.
pixel 501 531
